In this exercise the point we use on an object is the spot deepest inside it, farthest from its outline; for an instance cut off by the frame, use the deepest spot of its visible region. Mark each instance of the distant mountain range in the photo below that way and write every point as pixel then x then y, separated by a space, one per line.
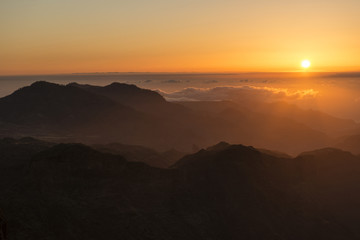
pixel 72 191
pixel 350 143
pixel 133 116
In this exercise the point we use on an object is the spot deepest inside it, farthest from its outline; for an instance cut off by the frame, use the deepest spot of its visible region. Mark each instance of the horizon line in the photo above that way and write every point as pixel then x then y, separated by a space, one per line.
pixel 342 73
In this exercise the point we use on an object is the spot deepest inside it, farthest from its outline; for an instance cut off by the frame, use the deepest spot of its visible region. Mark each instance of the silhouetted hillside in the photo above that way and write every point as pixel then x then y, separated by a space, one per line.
pixel 47 109
pixel 83 193
pixel 14 158
pixel 49 103
pixel 330 182
pixel 126 94
pixel 71 191
pixel 141 154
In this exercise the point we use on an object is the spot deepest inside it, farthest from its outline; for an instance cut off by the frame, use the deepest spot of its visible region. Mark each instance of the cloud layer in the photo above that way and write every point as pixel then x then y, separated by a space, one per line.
pixel 244 93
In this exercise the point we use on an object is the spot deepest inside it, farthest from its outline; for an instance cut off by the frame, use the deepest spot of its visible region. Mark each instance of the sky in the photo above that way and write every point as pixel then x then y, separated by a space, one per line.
pixel 77 36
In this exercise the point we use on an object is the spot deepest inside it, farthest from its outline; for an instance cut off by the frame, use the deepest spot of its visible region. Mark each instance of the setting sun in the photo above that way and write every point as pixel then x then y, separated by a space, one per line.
pixel 305 63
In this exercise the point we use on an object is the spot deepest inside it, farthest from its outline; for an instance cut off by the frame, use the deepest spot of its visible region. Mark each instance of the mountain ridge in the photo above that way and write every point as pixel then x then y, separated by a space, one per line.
pixel 222 192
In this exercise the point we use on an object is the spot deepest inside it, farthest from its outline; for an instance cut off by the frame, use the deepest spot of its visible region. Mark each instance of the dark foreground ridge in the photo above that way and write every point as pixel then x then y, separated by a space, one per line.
pixel 3 227
pixel 72 191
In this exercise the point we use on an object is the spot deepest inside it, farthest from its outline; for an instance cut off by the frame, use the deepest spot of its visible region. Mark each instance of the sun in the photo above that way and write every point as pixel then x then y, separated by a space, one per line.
pixel 305 63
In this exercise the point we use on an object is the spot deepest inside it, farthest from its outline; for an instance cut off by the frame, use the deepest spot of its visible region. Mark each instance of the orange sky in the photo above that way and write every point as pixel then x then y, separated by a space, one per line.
pixel 48 36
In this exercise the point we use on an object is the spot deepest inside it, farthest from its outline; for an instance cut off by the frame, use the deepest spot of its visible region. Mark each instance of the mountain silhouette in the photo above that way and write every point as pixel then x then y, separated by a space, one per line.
pixel 136 188
pixel 125 94
pixel 49 103
pixel 142 154
pixel 330 181
pixel 133 116
pixel 72 191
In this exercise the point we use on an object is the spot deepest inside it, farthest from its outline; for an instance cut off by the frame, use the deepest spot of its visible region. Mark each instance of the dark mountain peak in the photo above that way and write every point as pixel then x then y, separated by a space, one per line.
pixel 218 147
pixel 123 92
pixel 75 84
pixel 223 146
pixel 133 93
pixel 49 103
pixel 44 84
pixel 222 152
pixel 240 150
pixel 38 87
pixel 123 86
pixel 42 90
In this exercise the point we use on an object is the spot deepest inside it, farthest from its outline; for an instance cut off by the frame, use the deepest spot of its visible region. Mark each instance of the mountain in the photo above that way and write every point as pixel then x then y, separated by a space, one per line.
pixel 315 193
pixel 350 143
pixel 265 130
pixel 14 151
pixel 130 95
pixel 142 154
pixel 84 194
pixel 53 111
pixel 14 158
pixel 330 182
pixel 49 103
pixel 313 119
pixel 126 94
pixel 318 120
pixel 134 116
pixel 72 191
pixel 130 191
pixel 48 109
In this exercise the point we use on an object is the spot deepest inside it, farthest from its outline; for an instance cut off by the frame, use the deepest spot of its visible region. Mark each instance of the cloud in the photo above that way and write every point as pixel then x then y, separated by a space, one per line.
pixel 244 93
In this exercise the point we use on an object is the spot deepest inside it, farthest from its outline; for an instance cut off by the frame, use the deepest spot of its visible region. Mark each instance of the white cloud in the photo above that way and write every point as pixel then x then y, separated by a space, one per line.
pixel 244 93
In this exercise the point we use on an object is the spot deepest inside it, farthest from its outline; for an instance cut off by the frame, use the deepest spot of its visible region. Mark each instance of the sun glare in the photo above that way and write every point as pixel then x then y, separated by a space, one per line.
pixel 305 63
